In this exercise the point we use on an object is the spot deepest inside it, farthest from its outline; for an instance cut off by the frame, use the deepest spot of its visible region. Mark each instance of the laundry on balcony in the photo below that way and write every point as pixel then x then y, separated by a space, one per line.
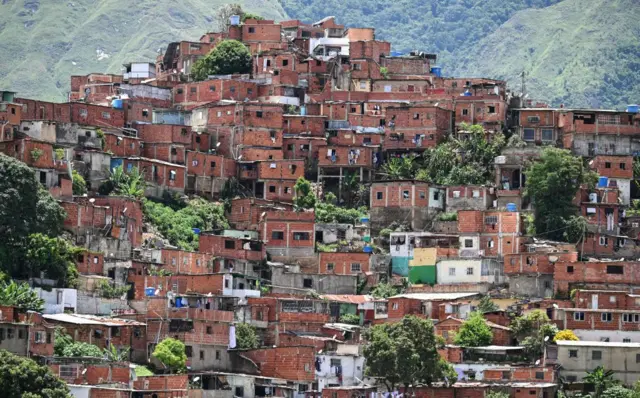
pixel 354 154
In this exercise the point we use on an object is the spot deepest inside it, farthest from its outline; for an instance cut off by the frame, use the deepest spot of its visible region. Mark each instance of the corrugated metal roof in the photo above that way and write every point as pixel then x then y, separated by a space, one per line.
pixel 596 344
pixel 435 296
pixel 82 319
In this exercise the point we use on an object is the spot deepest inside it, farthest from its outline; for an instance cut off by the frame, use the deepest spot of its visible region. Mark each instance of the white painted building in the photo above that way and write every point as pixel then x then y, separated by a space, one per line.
pixel 57 301
pixel 345 367
pixel 476 270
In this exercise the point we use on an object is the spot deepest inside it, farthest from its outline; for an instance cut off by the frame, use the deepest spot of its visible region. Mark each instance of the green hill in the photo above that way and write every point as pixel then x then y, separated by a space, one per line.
pixel 42 42
pixel 580 53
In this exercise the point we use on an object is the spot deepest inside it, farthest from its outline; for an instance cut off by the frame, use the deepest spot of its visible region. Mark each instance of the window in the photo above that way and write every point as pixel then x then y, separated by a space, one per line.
pixel 83 112
pixel 10 333
pixel 197 262
pixel 174 150
pixel 607 165
pixel 596 355
pixel 465 112
pixel 363 85
pixel 355 267
pixel 604 241
pixel 230 244
pixel 106 115
pixel 405 194
pixel 612 299
pixel 547 135
pixel 469 270
pixel 189 351
pixel 301 236
pixel 468 243
pixel 490 244
pixel 259 114
pixel 626 340
pixel 491 220
pixel 533 119
pixel 416 116
pixel 436 195
pixel 452 271
pixel 201 355
pixel 285 62
pixel 529 134
pixel 239 389
pixel 213 165
pixel 606 317
pixel 172 175
pixel 307 283
pixel 572 378
pixel 251 30
pixel 180 91
pixel 422 195
pixel 21 334
pixel 615 269
pixel 209 330
pixel 394 306
pixel 506 375
pixel 97 334
pixel 68 371
pixel 574 354
pixel 578 316
pixel 307 368
pixel 539 375
pixel 272 188
pixel 277 235
pixel 335 362
pixel 570 269
pixel 475 193
pixel 218 355
pixel 379 195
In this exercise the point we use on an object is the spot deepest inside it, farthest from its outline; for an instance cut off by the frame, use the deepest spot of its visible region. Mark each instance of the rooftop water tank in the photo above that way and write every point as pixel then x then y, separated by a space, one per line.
pixel 368 249
pixel 303 111
pixel 117 103
pixel 512 207
pixel 467 93
pixel 603 182
pixel 149 291
pixel 234 20
pixel 633 108
pixel 436 70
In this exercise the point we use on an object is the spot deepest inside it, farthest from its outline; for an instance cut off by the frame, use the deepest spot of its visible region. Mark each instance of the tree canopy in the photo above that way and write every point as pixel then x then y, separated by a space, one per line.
pixel 486 305
pixel 22 377
pixel 304 197
pixel 601 379
pixel 405 353
pixel 20 295
pixel 226 58
pixel 552 183
pixel 474 332
pixel 26 208
pixel 246 337
pixel 565 335
pixel 172 354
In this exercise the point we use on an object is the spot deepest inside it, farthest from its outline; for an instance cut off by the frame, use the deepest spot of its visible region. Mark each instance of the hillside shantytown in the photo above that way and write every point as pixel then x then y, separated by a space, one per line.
pixel 338 220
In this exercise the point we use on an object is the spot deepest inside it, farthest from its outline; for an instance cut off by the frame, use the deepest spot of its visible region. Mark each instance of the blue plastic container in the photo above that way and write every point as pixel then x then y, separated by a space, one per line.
pixel 437 71
pixel 196 231
pixel 117 103
pixel 603 182
pixel 368 249
pixel 512 207
pixel 303 111
pixel 149 291
pixel 633 108
pixel 364 219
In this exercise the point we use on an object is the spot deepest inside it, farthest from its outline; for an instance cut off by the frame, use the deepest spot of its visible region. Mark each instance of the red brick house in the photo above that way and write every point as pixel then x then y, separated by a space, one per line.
pixel 450 326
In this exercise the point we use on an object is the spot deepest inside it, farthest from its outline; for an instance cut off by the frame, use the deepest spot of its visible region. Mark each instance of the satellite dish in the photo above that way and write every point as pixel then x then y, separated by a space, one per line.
pixel 195 379
pixel 555 306
pixel 218 144
pixel 537 362
pixel 84 371
pixel 239 157
pixel 92 200
pixel 553 259
pixel 546 338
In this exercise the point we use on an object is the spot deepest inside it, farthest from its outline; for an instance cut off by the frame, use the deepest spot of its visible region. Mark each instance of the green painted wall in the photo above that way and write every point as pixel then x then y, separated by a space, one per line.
pixel 425 274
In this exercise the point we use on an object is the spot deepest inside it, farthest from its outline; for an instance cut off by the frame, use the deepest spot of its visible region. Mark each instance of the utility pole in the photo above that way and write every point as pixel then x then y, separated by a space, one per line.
pixel 524 88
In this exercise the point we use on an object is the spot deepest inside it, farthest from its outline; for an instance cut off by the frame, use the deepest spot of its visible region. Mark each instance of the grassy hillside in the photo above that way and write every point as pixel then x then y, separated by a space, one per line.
pixel 580 53
pixel 43 42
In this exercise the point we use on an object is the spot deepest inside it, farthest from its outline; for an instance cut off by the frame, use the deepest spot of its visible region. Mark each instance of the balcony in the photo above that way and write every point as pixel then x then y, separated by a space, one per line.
pixel 240 293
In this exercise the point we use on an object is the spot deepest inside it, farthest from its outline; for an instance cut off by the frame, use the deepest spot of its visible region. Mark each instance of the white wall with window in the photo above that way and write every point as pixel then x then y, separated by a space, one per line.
pixel 333 369
pixel 457 271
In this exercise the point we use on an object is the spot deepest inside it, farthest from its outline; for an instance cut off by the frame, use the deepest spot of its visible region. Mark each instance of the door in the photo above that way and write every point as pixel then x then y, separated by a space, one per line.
pixel 594 301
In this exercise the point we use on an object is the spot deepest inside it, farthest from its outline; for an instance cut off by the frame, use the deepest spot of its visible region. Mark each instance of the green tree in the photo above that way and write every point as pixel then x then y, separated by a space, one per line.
pixel 534 344
pixel 351 319
pixel 225 12
pixel 25 208
pixel 53 256
pixel 79 184
pixel 20 295
pixel 601 380
pixel 405 353
pixel 177 226
pixel 474 332
pixel 247 15
pixel 21 377
pixel 400 168
pixel 304 198
pixel 124 183
pixel 81 349
pixel 552 183
pixel 527 324
pixel 226 58
pixel 384 290
pixel 116 355
pixel 172 354
pixel 619 392
pixel 246 337
pixel 486 305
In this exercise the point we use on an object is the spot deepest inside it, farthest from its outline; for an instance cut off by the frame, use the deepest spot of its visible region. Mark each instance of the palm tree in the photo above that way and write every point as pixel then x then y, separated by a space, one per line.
pixel 399 168
pixel 601 379
pixel 20 295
